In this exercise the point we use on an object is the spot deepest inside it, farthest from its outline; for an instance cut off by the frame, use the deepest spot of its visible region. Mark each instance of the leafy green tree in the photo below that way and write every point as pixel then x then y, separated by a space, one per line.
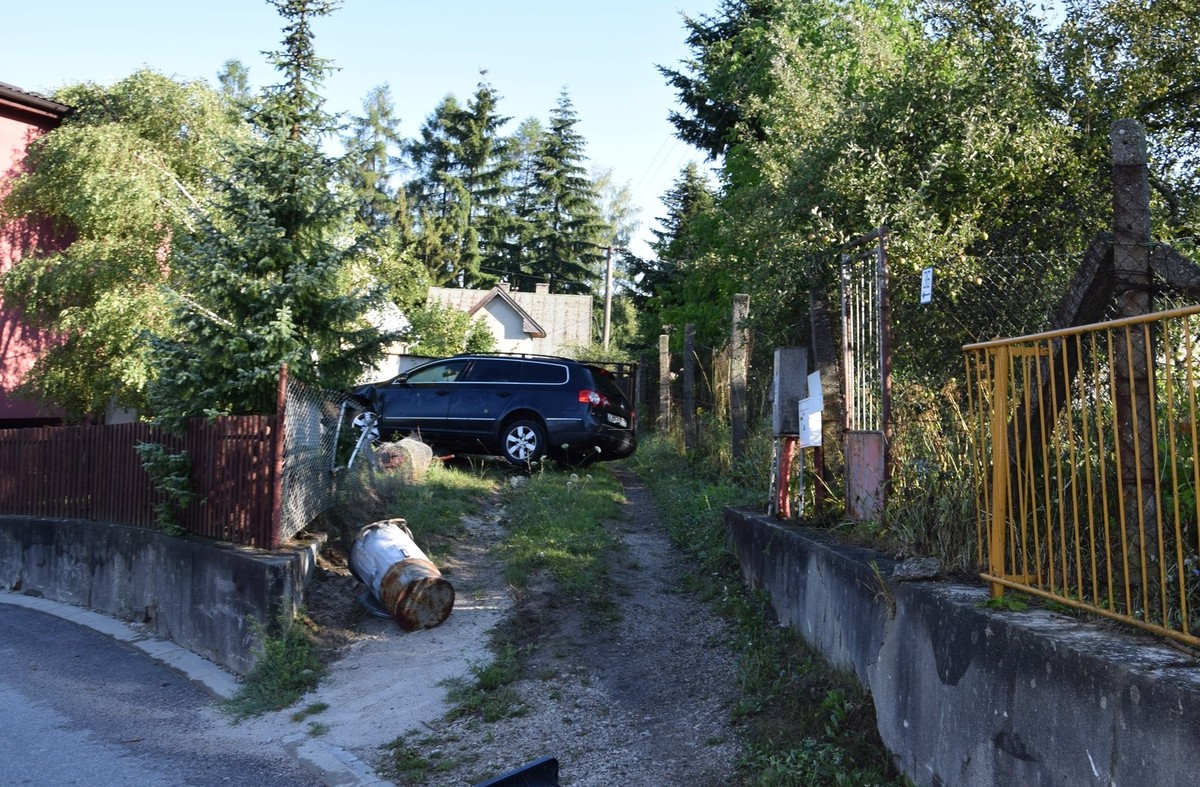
pixel 440 331
pixel 621 216
pixel 119 179
pixel 1135 58
pixel 929 118
pixel 259 282
pixel 234 81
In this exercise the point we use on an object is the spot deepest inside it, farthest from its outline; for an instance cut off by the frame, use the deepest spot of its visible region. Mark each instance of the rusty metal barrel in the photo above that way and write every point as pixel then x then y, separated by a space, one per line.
pixel 411 589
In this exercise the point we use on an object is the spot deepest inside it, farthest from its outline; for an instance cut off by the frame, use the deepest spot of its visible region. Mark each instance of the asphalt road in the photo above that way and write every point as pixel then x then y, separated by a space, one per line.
pixel 77 707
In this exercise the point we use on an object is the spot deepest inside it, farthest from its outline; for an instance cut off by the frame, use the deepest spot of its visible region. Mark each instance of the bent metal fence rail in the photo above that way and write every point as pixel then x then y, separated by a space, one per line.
pixel 1085 454
pixel 246 489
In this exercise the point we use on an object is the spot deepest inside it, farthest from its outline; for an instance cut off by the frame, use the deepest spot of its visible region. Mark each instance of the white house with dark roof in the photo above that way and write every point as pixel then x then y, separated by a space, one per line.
pixel 535 322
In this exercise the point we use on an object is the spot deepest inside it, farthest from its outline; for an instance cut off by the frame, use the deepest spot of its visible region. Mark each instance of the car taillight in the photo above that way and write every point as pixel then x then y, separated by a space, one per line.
pixel 593 397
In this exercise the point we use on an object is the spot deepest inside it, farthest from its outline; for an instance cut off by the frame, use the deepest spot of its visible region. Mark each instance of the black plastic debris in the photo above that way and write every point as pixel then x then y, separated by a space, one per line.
pixel 539 773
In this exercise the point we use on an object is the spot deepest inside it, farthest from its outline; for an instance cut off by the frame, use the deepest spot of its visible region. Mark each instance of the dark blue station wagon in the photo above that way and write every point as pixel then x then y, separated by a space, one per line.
pixel 522 408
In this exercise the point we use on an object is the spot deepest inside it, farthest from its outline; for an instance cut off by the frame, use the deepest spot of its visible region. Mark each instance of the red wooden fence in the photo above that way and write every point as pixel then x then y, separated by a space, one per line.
pixel 93 473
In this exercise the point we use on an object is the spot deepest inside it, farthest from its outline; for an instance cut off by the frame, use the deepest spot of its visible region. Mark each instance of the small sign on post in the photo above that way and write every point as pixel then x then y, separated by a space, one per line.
pixel 927 285
pixel 811 408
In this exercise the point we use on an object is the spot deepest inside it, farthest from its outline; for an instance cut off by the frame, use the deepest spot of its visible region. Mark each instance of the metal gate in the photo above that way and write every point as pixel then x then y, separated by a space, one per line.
pixel 866 373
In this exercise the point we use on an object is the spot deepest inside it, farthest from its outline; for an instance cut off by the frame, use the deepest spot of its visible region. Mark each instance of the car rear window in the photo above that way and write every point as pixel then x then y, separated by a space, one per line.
pixel 546 373
pixel 606 384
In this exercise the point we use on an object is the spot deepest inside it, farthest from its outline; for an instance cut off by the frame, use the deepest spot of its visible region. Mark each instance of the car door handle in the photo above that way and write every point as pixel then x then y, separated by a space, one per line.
pixel 443 392
pixel 504 394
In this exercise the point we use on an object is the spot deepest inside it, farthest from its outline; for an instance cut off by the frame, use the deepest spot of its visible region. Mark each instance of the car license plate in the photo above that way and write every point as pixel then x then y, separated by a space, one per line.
pixel 616 419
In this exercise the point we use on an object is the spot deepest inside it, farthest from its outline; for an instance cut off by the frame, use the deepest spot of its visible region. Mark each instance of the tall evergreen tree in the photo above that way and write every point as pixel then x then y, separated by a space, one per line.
pixel 569 241
pixel 260 284
pixel 459 188
pixel 516 259
pixel 372 166
pixel 487 162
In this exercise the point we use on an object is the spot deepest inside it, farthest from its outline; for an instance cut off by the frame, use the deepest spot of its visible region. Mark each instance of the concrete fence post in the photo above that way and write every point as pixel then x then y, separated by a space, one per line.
pixel 739 349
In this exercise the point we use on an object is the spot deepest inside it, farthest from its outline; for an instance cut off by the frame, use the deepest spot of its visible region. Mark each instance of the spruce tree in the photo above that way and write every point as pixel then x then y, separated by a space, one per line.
pixel 517 251
pixel 569 240
pixel 371 167
pixel 260 284
pixel 459 188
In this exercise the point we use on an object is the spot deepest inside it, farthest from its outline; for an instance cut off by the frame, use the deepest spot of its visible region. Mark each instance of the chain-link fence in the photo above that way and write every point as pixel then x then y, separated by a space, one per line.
pixel 322 431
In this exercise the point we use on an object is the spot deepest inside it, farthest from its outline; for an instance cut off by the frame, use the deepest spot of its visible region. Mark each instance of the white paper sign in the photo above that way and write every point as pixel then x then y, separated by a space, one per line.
pixel 814 390
pixel 927 285
pixel 810 422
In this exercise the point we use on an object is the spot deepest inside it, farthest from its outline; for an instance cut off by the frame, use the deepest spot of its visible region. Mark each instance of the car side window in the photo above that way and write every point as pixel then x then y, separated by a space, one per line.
pixel 545 373
pixel 446 372
pixel 493 370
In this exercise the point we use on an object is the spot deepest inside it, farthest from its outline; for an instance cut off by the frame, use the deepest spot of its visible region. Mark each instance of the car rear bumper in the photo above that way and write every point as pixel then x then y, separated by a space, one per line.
pixel 582 439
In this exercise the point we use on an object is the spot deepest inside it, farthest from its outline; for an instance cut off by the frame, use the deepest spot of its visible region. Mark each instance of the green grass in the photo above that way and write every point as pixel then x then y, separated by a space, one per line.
pixel 555 523
pixel 311 710
pixel 489 696
pixel 287 668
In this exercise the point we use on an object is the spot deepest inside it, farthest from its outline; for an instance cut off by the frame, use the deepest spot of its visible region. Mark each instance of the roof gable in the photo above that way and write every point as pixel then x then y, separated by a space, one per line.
pixel 528 324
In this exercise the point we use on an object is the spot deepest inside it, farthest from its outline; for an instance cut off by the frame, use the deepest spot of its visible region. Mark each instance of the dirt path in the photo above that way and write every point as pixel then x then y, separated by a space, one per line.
pixel 640 696
pixel 639 700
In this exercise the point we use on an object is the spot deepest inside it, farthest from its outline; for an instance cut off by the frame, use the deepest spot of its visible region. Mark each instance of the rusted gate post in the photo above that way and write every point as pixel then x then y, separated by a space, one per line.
pixel 1131 367
pixel 664 383
pixel 739 343
pixel 277 461
pixel 689 387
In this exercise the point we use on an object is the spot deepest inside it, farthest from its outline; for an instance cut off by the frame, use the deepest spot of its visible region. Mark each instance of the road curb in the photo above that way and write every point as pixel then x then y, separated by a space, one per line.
pixel 335 767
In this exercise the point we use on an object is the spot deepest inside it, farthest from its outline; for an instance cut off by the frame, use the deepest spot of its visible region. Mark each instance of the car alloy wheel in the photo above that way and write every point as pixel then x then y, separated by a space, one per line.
pixel 524 443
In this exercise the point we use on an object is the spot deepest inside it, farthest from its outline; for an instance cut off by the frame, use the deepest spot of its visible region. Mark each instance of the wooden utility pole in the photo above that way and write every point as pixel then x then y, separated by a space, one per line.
pixel 1131 351
pixel 739 344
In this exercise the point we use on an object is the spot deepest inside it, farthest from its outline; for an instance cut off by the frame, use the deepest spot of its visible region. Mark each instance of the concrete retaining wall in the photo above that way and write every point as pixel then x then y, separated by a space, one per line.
pixel 968 695
pixel 197 593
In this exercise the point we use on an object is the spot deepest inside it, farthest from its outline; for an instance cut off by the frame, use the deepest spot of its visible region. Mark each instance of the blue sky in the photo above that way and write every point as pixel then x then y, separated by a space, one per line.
pixel 603 53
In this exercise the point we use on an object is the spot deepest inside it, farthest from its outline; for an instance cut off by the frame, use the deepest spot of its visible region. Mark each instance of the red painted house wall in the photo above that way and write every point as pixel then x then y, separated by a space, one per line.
pixel 23 117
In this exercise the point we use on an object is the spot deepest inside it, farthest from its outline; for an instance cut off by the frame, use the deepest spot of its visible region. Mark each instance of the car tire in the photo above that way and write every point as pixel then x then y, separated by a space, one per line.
pixel 523 443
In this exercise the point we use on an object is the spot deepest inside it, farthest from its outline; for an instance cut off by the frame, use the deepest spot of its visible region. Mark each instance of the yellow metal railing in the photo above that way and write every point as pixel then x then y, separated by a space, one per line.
pixel 1085 460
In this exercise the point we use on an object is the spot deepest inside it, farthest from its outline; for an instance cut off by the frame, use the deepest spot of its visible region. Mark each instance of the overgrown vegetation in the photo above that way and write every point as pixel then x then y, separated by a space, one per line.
pixel 171 474
pixel 286 668
pixel 805 723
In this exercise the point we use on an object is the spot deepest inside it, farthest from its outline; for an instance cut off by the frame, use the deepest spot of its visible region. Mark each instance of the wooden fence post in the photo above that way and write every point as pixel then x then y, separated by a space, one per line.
pixel 739 343
pixel 664 383
pixel 689 387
